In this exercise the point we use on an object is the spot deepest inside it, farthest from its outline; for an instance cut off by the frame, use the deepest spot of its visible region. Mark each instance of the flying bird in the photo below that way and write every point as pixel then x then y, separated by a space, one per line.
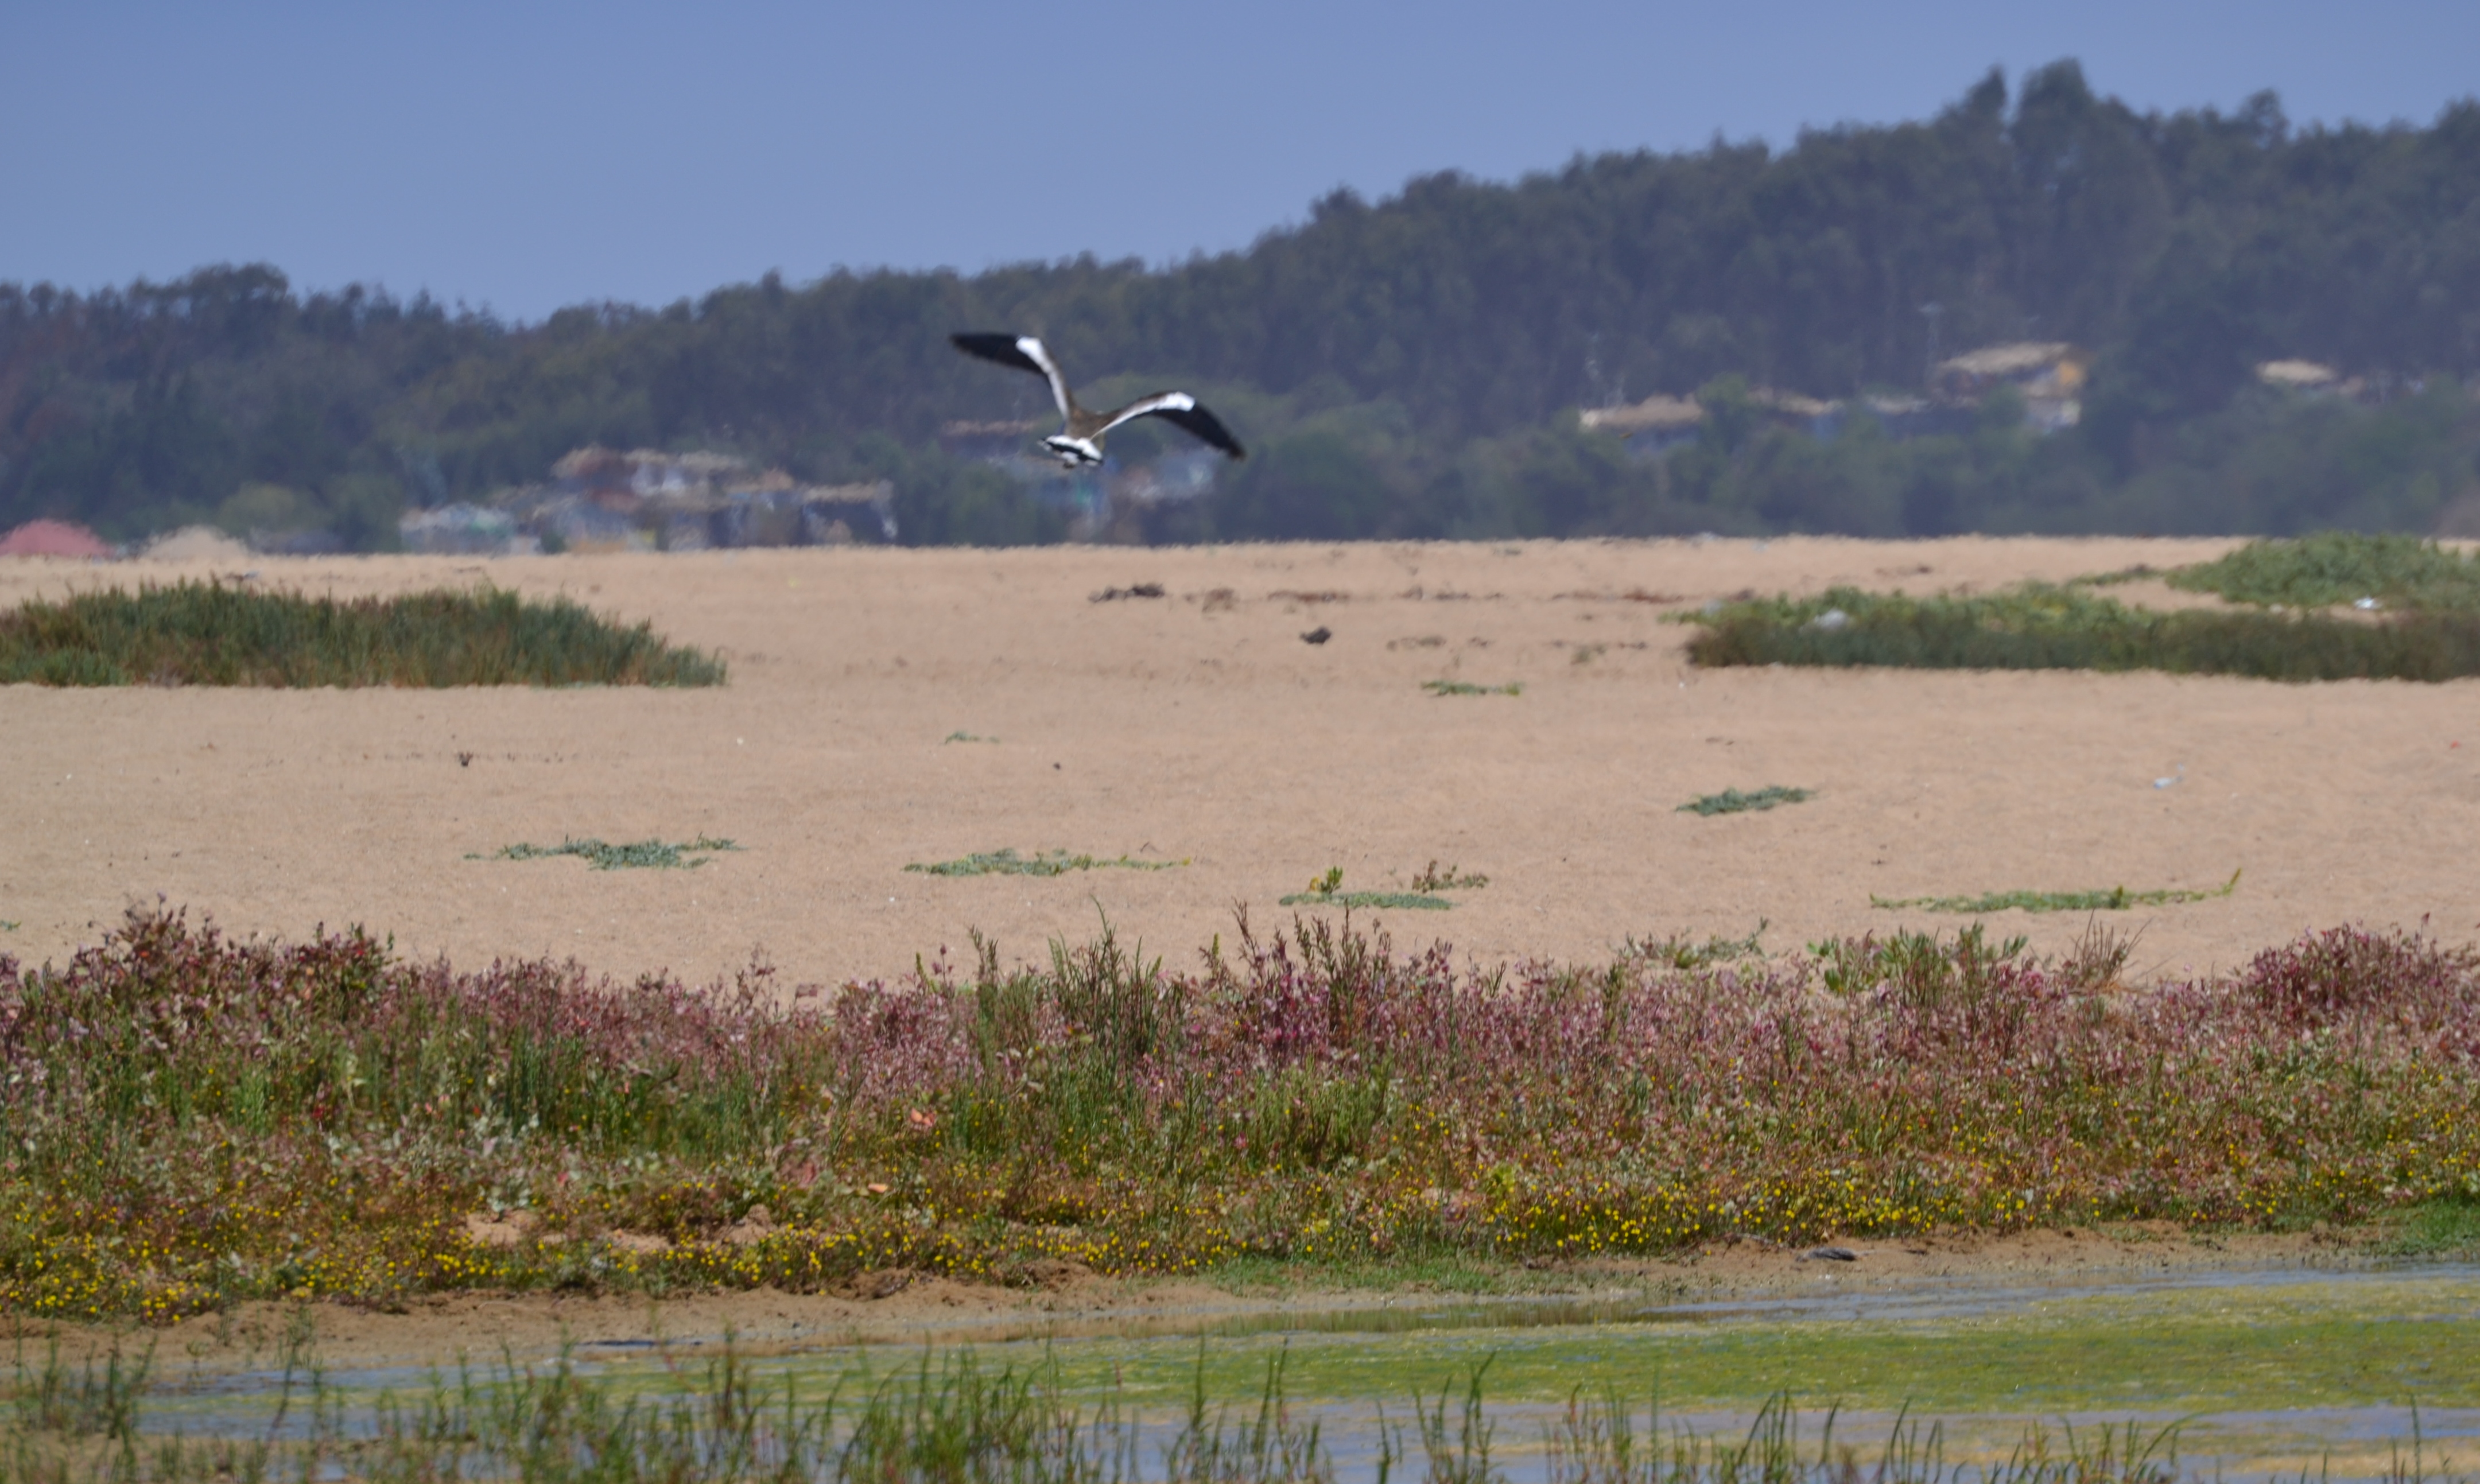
pixel 1079 444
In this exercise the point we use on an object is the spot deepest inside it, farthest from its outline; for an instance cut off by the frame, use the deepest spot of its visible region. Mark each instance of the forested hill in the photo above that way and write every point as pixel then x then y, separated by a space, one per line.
pixel 1408 365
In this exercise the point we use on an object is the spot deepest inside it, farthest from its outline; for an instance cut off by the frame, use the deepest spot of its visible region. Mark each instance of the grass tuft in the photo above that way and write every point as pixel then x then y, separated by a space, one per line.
pixel 1730 801
pixel 2039 627
pixel 1468 688
pixel 206 633
pixel 642 855
pixel 2340 566
pixel 2117 899
pixel 1055 862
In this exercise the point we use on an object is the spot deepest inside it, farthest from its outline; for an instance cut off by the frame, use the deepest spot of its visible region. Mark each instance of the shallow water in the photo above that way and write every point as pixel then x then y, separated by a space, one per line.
pixel 2262 1371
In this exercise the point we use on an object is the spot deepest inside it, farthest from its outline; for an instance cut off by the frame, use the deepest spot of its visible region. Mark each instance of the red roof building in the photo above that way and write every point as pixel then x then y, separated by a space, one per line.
pixel 53 538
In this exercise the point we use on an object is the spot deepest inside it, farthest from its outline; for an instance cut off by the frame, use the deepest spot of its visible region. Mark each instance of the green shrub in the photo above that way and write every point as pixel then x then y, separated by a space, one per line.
pixel 2338 567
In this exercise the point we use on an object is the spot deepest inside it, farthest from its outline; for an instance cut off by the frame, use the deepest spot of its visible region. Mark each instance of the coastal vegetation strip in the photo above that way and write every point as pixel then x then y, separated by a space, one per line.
pixel 2040 627
pixel 188 1119
pixel 220 634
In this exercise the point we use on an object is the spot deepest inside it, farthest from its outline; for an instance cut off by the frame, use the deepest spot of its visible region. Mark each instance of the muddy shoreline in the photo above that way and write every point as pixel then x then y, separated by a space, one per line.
pixel 441 1330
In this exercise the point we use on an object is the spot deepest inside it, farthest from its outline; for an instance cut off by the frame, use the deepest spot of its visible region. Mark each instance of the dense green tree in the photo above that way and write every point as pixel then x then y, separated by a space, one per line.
pixel 1409 366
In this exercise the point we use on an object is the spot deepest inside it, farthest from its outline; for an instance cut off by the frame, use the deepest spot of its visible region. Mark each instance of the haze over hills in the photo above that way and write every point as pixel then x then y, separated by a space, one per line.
pixel 1414 367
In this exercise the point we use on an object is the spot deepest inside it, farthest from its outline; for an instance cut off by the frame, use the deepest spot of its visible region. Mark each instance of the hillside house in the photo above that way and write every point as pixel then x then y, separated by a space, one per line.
pixel 2050 374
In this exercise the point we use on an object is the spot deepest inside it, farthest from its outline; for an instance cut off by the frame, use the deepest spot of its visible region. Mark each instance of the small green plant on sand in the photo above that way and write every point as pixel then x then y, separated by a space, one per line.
pixel 1327 890
pixel 965 736
pixel 1053 862
pixel 1730 801
pixel 2117 899
pixel 1452 879
pixel 654 855
pixel 1468 688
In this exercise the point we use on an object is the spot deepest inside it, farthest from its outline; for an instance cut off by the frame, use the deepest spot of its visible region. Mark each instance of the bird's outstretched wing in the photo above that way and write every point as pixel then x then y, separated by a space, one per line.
pixel 1182 409
pixel 1023 352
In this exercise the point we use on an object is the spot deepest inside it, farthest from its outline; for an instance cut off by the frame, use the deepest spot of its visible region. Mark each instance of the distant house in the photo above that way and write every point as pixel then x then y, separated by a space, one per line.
pixel 458 530
pixel 605 500
pixel 1091 498
pixel 55 538
pixel 2050 374
pixel 1660 423
pixel 1651 427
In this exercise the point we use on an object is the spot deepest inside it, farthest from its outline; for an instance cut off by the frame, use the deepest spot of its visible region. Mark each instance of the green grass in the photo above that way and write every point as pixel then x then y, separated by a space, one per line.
pixel 1730 801
pixel 207 633
pixel 2445 1228
pixel 965 736
pixel 1054 862
pixel 642 855
pixel 2038 627
pixel 1468 688
pixel 1210 1414
pixel 2340 566
pixel 2117 899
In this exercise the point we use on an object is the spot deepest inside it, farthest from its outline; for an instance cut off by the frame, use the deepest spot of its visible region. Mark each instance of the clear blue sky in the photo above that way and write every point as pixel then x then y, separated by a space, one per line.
pixel 518 157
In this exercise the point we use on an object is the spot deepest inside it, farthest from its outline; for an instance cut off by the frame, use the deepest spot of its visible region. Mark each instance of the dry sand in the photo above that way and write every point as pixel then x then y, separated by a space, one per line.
pixel 1201 728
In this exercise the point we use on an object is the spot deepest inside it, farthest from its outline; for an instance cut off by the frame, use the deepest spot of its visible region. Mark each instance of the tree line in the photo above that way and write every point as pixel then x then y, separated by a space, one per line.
pixel 1411 366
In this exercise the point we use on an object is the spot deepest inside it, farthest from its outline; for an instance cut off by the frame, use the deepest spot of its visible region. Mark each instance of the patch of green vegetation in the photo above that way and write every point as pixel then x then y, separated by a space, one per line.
pixel 2339 567
pixel 1054 862
pixel 208 633
pixel 1327 890
pixel 1923 966
pixel 1405 900
pixel 2444 1228
pixel 642 855
pixel 2116 899
pixel 2039 627
pixel 9 924
pixel 965 736
pixel 1730 801
pixel 1468 688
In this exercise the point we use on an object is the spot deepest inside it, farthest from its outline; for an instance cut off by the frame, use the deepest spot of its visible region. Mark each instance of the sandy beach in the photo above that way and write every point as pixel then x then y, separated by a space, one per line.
pixel 1199 728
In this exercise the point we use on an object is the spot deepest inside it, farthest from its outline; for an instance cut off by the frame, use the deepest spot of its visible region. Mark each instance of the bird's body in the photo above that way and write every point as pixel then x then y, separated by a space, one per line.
pixel 1078 442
